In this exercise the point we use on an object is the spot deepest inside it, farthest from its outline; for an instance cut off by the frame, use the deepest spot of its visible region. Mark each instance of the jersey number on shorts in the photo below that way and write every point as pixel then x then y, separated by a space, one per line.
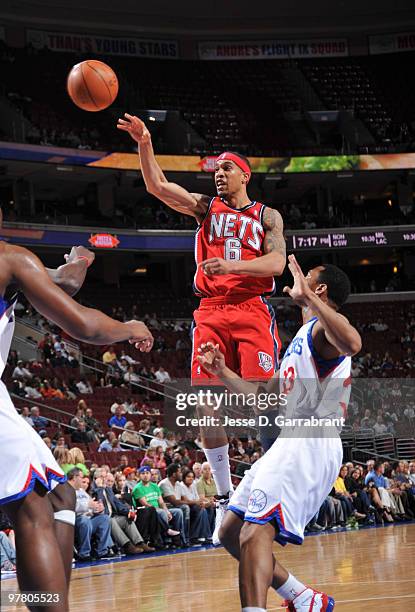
pixel 232 249
pixel 289 377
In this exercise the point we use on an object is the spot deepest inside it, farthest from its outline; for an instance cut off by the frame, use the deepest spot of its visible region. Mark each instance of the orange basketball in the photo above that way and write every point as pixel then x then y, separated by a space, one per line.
pixel 92 85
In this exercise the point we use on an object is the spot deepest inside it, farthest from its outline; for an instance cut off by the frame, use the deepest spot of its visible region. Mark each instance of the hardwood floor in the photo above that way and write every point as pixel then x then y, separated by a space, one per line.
pixel 368 570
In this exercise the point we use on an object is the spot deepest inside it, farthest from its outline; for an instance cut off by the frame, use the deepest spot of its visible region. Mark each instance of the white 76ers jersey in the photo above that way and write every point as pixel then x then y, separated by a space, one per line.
pixel 314 386
pixel 6 330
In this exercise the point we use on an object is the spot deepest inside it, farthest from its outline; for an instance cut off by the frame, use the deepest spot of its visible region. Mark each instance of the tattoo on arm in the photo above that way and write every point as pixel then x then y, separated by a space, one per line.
pixel 274 238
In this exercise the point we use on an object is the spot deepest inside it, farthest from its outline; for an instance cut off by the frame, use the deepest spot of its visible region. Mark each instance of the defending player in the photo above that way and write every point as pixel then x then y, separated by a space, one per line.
pixel 284 489
pixel 31 469
pixel 239 248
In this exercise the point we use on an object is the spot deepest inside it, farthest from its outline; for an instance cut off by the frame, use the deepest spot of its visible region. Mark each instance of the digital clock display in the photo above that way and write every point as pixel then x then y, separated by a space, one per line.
pixel 351 239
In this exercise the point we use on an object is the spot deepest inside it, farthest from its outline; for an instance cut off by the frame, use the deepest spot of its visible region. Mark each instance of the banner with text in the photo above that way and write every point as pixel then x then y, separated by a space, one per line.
pixel 273 49
pixel 63 157
pixel 103 45
pixel 392 43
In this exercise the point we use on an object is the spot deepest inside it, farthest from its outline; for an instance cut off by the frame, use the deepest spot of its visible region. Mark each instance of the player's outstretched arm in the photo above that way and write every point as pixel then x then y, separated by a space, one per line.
pixel 338 337
pixel 71 276
pixel 85 324
pixel 175 196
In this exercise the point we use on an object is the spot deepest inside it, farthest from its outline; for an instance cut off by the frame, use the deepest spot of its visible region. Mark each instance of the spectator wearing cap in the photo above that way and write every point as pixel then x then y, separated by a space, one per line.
pixel 21 372
pixel 130 479
pixel 172 495
pixel 159 439
pixel 148 493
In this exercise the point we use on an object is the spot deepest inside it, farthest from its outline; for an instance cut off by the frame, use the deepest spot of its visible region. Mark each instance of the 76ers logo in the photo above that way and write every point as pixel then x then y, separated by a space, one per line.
pixel 257 501
pixel 265 361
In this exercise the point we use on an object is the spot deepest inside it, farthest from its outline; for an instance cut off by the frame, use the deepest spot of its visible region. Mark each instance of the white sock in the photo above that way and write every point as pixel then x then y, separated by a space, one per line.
pixel 291 588
pixel 218 459
pixel 251 609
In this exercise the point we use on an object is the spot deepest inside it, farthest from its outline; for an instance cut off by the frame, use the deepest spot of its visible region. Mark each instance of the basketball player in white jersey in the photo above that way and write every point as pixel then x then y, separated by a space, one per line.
pixel 284 489
pixel 28 469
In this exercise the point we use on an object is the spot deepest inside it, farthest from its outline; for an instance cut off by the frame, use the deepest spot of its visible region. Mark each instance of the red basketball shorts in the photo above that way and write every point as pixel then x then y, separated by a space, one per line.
pixel 247 335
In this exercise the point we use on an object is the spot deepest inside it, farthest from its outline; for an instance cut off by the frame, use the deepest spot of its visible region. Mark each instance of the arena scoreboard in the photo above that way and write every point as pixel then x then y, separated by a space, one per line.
pixel 350 239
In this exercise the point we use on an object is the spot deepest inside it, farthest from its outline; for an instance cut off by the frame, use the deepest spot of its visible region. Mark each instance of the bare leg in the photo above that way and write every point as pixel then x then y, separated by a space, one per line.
pixel 256 566
pixel 63 497
pixel 38 558
pixel 229 536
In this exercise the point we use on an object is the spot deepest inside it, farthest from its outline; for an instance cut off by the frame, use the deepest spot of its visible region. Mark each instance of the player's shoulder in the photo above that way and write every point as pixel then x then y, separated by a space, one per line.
pixel 13 250
pixel 202 200
pixel 271 218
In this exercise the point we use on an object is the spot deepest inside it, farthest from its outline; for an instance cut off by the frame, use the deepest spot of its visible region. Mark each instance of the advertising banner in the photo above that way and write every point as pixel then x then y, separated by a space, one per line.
pixel 64 157
pixel 102 45
pixel 273 49
pixel 182 241
pixel 392 43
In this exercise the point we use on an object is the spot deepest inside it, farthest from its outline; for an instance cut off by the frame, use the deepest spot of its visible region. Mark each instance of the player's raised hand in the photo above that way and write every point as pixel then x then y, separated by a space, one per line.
pixel 80 252
pixel 216 266
pixel 141 336
pixel 300 290
pixel 211 359
pixel 135 127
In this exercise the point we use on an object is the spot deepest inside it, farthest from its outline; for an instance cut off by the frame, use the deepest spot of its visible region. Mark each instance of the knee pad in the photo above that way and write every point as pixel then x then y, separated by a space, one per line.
pixel 65 516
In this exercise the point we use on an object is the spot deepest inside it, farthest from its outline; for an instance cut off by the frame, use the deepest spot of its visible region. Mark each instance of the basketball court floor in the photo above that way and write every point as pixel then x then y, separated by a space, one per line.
pixel 370 569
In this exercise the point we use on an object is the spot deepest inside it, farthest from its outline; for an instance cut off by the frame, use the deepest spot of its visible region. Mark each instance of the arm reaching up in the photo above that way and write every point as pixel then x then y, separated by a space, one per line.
pixel 332 334
pixel 175 196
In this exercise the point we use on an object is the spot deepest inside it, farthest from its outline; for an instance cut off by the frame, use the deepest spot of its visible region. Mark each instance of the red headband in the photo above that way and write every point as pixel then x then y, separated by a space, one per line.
pixel 236 160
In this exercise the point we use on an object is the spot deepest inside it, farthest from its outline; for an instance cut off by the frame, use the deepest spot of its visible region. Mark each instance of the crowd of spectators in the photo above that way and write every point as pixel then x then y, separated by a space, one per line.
pixel 142 487
pixel 132 510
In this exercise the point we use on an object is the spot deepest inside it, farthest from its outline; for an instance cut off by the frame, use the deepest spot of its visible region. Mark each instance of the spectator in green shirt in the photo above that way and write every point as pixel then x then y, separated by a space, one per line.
pixel 148 493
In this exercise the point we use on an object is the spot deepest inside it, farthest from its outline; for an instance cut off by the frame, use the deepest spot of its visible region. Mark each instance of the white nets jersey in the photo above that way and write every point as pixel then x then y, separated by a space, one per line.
pixel 314 386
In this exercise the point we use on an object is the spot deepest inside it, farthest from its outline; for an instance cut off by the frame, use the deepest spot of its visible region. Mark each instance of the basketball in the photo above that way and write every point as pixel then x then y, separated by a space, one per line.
pixel 92 85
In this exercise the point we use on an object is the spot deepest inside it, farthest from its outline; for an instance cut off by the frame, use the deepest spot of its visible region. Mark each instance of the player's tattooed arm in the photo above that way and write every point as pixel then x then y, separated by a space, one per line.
pixel 274 241
pixel 272 263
